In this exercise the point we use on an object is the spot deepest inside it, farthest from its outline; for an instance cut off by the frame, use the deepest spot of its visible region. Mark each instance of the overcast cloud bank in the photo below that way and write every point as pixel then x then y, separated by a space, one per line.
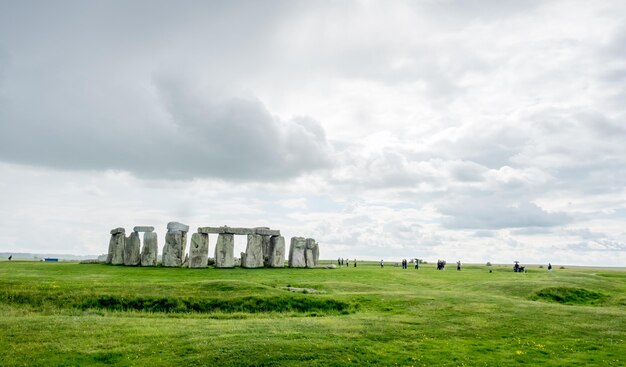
pixel 489 132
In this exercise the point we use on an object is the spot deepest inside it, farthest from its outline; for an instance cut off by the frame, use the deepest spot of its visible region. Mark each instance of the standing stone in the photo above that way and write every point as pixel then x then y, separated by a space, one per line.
pixel 116 247
pixel 277 252
pixel 175 243
pixel 316 254
pixel 242 259
pixel 296 252
pixel 224 251
pixel 266 246
pixel 310 253
pixel 132 250
pixel 149 252
pixel 199 250
pixel 254 252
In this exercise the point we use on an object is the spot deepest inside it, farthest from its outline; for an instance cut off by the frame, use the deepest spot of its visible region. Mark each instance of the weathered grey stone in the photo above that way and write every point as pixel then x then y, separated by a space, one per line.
pixel 118 230
pixel 199 250
pixel 266 246
pixel 143 229
pixel 237 261
pixel 277 252
pixel 186 261
pixel 132 250
pixel 311 253
pixel 240 231
pixel 242 259
pixel 174 248
pixel 254 252
pixel 226 229
pixel 116 249
pixel 149 252
pixel 224 249
pixel 212 230
pixel 263 231
pixel 175 226
pixel 211 261
pixel 296 252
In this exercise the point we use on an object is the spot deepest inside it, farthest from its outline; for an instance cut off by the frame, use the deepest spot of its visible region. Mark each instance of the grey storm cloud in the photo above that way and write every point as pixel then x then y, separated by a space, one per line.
pixel 492 214
pixel 199 136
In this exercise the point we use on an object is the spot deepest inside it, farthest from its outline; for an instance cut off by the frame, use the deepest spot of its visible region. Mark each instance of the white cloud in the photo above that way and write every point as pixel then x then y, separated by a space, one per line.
pixel 485 131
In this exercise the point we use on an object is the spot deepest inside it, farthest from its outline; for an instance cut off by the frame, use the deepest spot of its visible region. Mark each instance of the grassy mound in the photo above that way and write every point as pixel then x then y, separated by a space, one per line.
pixel 569 296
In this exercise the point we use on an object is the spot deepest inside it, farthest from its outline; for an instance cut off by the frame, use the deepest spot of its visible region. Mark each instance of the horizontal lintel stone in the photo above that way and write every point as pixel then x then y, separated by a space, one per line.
pixel 175 226
pixel 143 229
pixel 264 231
pixel 118 230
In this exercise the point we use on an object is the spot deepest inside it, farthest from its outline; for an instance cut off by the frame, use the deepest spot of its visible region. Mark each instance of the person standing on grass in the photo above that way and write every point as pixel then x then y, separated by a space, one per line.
pixel 458 265
pixel 10 257
pixel 347 262
pixel 417 264
pixel 338 262
pixel 549 266
pixel 382 263
pixel 355 263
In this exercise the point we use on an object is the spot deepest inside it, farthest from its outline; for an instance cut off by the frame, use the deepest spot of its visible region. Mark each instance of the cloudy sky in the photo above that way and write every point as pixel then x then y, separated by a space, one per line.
pixel 482 131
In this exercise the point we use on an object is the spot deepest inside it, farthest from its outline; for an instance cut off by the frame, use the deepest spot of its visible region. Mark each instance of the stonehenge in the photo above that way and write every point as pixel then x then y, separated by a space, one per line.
pixel 116 247
pixel 175 243
pixel 265 247
pixel 199 251
pixel 132 250
pixel 297 252
pixel 149 252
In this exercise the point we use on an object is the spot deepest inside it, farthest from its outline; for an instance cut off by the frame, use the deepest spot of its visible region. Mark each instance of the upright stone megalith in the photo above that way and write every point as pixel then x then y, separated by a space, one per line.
pixel 149 252
pixel 175 243
pixel 310 253
pixel 116 246
pixel 296 252
pixel 224 251
pixel 199 250
pixel 266 247
pixel 277 252
pixel 132 250
pixel 254 252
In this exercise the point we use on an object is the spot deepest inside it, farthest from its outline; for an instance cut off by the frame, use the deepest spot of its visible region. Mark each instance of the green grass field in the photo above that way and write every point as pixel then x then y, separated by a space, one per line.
pixel 69 314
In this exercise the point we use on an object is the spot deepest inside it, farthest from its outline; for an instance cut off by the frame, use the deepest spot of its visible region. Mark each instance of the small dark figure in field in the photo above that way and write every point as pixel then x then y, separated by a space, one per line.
pixel 347 263
pixel 441 265
pixel 382 263
pixel 549 267
pixel 339 261
pixel 10 257
pixel 518 269
pixel 417 264
pixel 355 263
pixel 458 265
pixel 404 264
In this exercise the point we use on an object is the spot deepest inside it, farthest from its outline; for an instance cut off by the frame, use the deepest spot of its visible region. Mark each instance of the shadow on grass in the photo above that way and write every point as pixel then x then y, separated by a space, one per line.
pixel 249 304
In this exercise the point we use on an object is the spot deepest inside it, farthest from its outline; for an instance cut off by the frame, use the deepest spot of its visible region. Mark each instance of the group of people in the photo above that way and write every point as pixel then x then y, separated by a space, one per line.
pixel 341 261
pixel 405 264
pixel 441 264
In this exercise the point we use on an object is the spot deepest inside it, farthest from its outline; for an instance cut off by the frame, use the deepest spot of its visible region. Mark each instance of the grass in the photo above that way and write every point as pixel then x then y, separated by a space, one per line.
pixel 68 314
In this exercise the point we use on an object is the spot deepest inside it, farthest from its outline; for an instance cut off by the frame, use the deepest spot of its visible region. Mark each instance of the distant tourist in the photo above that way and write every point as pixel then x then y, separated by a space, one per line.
pixel 417 264
pixel 549 266
pixel 382 263
pixel 338 261
pixel 516 267
pixel 458 265
pixel 10 257
pixel 355 263
pixel 347 262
